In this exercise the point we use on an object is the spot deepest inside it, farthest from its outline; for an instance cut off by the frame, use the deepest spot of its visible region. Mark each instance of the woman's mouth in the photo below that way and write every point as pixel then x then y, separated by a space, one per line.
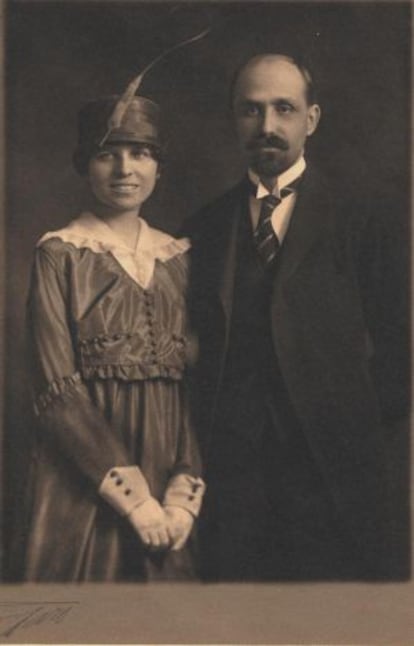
pixel 124 188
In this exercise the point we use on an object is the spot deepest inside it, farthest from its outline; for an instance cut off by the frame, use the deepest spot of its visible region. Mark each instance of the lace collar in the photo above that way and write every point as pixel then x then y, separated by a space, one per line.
pixel 88 231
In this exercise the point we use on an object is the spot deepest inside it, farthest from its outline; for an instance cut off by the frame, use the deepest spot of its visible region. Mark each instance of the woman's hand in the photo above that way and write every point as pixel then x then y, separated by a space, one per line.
pixel 150 522
pixel 179 525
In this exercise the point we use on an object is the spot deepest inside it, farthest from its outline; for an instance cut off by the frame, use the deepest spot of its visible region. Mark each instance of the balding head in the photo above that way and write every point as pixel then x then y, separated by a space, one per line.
pixel 245 68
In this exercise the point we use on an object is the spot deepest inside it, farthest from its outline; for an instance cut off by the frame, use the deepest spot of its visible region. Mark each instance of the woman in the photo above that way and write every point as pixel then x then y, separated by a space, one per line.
pixel 115 478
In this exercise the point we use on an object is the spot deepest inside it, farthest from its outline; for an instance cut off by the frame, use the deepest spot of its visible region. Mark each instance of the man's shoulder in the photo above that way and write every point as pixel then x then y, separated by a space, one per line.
pixel 211 214
pixel 346 196
pixel 228 197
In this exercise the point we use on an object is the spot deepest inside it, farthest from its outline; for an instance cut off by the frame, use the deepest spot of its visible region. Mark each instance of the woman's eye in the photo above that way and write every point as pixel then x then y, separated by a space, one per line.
pixel 105 155
pixel 142 153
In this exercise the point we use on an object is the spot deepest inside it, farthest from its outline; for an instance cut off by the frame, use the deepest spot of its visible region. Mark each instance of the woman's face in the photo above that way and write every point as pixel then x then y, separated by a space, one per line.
pixel 123 176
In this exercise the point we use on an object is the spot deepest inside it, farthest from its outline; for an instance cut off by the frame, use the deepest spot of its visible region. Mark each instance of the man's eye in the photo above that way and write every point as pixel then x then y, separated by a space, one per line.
pixel 251 110
pixel 284 108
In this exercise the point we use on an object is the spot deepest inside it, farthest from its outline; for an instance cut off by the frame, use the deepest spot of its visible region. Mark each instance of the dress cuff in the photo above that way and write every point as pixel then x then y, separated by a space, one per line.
pixel 124 488
pixel 185 491
pixel 55 390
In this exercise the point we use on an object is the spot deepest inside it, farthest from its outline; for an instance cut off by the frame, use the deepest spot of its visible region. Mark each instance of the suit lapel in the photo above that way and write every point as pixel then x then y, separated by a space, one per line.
pixel 309 220
pixel 225 255
pixel 228 253
pixel 227 250
pixel 307 223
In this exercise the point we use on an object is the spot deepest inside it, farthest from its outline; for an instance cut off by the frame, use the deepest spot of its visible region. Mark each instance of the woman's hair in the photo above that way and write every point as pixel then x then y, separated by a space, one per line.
pixel 83 155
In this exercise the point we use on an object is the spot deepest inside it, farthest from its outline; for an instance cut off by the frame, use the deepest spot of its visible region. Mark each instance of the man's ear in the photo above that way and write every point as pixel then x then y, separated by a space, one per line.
pixel 314 114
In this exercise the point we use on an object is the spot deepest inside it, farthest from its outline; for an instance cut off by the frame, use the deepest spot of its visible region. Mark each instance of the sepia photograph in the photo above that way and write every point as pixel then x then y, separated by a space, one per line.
pixel 206 336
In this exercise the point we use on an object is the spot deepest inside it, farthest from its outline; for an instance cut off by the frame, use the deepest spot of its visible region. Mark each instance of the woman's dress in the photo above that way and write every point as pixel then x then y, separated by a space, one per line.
pixel 109 345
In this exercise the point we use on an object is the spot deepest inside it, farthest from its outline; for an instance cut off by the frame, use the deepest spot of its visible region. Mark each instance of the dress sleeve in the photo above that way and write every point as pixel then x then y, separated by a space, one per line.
pixel 67 417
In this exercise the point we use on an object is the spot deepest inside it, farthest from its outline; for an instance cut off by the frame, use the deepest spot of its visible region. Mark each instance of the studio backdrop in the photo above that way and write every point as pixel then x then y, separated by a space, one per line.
pixel 61 54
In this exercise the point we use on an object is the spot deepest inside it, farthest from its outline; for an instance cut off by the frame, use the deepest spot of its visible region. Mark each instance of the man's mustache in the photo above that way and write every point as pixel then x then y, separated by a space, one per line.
pixel 269 141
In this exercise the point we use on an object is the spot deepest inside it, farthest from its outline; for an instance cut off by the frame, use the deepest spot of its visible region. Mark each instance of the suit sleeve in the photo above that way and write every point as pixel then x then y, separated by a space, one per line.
pixel 383 270
pixel 67 418
pixel 186 488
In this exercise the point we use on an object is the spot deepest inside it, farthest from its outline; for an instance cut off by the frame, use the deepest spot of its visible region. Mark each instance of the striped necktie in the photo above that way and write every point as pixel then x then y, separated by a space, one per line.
pixel 266 240
pixel 267 243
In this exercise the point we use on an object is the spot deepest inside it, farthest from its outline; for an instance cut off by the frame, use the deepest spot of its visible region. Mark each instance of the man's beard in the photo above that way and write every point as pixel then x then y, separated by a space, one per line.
pixel 268 163
pixel 267 156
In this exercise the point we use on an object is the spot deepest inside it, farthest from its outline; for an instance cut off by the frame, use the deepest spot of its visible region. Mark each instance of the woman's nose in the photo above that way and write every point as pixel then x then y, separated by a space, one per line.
pixel 123 166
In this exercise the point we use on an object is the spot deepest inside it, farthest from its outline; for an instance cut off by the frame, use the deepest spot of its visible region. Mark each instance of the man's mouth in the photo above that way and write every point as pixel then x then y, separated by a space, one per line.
pixel 271 144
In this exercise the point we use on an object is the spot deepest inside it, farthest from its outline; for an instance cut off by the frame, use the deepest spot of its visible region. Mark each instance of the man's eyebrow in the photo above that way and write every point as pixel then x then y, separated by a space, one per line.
pixel 284 100
pixel 279 99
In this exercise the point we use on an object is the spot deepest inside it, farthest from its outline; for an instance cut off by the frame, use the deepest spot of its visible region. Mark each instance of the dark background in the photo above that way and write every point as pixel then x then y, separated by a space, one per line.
pixel 60 54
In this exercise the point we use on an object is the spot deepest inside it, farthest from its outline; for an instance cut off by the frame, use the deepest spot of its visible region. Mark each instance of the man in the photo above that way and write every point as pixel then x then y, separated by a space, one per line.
pixel 285 300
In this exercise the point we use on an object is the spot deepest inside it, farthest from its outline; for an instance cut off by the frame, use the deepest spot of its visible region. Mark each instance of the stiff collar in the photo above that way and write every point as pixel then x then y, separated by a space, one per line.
pixel 285 178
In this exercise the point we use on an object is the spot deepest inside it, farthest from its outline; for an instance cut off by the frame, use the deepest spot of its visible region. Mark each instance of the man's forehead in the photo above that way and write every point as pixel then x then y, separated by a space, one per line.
pixel 270 73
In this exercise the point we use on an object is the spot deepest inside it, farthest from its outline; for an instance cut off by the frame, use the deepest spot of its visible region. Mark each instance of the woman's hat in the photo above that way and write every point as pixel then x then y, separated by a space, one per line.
pixel 139 123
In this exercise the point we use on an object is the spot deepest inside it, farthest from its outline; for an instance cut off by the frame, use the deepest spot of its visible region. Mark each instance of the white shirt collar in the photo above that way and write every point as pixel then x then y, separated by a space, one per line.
pixel 284 179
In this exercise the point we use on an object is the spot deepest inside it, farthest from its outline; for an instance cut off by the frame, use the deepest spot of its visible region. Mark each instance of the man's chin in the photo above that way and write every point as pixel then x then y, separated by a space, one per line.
pixel 268 169
pixel 268 165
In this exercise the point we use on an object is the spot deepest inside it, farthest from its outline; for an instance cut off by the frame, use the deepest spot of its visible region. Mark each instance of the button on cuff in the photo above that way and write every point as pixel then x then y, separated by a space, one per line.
pixel 185 491
pixel 124 488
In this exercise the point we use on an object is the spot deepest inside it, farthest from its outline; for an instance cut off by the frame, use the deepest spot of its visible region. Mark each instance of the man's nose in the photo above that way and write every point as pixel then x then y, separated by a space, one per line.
pixel 269 120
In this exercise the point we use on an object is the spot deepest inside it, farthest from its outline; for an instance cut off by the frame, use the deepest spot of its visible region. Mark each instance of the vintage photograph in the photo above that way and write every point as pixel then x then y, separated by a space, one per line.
pixel 207 332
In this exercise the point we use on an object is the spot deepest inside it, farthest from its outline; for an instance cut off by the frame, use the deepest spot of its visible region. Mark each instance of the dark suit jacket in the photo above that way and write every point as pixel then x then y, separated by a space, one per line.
pixel 332 326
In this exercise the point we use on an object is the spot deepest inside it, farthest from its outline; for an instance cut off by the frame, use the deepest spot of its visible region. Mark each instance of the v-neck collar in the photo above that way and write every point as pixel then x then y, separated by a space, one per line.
pixel 89 231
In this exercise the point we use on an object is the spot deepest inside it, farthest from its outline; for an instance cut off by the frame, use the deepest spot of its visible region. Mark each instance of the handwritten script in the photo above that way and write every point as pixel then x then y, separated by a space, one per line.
pixel 22 615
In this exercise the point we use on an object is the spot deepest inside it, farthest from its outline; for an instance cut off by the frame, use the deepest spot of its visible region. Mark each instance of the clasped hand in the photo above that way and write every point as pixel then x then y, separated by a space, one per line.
pixel 161 528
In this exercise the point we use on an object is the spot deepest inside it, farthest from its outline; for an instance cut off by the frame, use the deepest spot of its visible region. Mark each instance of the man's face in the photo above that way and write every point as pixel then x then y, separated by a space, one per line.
pixel 272 115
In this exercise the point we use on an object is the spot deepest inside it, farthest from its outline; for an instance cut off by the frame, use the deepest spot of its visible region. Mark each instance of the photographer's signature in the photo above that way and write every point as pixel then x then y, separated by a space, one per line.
pixel 22 615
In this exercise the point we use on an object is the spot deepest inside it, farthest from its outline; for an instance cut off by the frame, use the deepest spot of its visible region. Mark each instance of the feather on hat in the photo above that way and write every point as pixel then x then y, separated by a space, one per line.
pixel 125 118
pixel 121 107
